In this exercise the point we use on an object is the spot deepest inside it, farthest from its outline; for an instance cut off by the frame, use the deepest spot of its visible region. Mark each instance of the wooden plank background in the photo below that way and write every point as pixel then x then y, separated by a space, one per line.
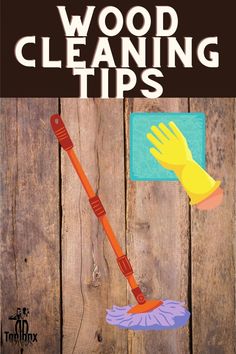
pixel 55 259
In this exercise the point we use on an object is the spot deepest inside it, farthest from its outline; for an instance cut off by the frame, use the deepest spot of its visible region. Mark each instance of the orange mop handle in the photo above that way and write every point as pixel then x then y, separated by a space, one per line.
pixel 96 204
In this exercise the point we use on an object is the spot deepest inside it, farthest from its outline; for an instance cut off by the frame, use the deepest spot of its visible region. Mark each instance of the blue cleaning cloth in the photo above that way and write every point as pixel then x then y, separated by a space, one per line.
pixel 143 166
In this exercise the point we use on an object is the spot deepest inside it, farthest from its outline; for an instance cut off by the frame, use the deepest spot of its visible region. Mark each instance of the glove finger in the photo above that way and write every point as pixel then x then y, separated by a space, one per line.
pixel 156 154
pixel 159 134
pixel 166 131
pixel 155 141
pixel 176 131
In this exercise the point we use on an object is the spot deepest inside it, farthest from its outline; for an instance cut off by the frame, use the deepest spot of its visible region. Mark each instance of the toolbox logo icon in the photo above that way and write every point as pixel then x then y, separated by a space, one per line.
pixel 21 335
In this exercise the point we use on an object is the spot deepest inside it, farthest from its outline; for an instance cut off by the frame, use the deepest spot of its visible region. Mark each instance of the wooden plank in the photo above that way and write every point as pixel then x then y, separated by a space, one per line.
pixel 158 241
pixel 30 221
pixel 91 279
pixel 213 232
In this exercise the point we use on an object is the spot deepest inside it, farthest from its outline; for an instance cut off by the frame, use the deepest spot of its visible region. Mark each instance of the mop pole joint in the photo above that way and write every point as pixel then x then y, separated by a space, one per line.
pixel 125 265
pixel 97 206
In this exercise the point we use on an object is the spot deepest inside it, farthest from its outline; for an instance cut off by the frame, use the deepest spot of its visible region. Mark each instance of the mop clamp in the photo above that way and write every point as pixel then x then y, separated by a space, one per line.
pixel 125 265
pixel 61 132
pixel 97 206
pixel 139 295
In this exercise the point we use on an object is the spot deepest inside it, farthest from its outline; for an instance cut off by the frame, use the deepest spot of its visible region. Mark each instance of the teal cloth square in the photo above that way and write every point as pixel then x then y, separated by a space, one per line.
pixel 143 166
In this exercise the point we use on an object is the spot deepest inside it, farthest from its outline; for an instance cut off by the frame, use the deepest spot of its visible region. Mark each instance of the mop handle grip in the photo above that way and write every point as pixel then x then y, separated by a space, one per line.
pixel 65 141
pixel 61 132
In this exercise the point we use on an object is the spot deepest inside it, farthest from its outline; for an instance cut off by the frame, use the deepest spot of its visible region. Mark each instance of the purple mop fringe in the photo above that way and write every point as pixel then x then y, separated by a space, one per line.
pixel 169 315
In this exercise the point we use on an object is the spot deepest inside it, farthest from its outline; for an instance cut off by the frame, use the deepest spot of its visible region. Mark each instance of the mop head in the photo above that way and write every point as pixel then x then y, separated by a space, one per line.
pixel 169 315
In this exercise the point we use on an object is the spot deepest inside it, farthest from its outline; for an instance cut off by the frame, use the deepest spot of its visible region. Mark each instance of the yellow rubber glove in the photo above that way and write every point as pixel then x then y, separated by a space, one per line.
pixel 172 152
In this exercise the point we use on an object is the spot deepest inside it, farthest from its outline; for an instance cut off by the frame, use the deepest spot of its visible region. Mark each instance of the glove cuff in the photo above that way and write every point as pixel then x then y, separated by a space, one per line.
pixel 197 183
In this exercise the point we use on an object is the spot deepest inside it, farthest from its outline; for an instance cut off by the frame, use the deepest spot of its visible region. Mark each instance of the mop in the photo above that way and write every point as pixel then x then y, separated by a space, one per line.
pixel 146 314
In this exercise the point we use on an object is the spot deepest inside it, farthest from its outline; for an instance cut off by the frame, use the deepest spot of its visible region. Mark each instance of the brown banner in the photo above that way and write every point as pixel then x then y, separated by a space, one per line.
pixel 197 59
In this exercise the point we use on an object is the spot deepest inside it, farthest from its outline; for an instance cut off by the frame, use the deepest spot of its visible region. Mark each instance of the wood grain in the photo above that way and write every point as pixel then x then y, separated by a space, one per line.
pixel 213 235
pixel 158 241
pixel 49 232
pixel 30 221
pixel 91 279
